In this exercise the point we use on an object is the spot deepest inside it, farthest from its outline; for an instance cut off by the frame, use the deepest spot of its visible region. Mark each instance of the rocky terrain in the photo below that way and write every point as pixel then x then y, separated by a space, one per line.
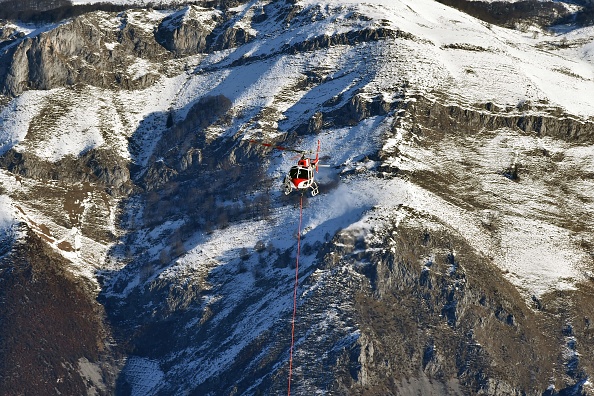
pixel 146 247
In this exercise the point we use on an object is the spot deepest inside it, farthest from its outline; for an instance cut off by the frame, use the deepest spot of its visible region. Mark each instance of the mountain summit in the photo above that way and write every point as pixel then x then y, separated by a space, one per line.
pixel 147 247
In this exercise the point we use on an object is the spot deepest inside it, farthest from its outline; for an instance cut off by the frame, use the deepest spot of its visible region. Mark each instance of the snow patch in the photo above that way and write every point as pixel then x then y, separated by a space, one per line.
pixel 140 68
pixel 16 117
pixel 7 215
pixel 538 256
pixel 143 375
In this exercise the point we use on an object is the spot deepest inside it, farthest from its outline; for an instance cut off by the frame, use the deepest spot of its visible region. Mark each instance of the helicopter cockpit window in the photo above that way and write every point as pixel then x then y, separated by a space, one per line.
pixel 294 173
pixel 304 173
pixel 297 172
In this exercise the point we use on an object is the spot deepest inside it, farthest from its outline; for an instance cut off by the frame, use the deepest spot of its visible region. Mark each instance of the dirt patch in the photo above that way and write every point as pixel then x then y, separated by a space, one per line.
pixel 49 321
pixel 65 246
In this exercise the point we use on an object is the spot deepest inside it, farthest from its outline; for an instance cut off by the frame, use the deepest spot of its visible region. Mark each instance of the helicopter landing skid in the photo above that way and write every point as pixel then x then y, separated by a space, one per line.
pixel 314 189
pixel 287 187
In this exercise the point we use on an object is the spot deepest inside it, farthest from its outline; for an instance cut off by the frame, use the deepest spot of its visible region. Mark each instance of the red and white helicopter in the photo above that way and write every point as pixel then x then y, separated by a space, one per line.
pixel 301 176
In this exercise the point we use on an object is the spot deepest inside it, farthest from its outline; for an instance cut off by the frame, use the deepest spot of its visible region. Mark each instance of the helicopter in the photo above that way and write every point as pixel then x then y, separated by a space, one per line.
pixel 301 176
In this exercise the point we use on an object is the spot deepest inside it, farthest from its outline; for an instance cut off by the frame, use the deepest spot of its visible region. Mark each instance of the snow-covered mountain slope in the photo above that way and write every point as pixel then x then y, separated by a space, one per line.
pixel 458 202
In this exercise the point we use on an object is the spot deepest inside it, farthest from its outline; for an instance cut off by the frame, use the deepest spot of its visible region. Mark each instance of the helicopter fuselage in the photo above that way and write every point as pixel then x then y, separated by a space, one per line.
pixel 301 177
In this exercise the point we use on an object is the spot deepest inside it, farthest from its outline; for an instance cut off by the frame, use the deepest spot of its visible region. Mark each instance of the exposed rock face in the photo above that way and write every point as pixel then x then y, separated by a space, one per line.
pixel 101 49
pixel 187 31
pixel 195 30
pixel 444 342
pixel 7 33
pixel 514 14
pixel 349 38
pixel 81 52
pixel 100 167
pixel 358 108
pixel 538 119
pixel 189 139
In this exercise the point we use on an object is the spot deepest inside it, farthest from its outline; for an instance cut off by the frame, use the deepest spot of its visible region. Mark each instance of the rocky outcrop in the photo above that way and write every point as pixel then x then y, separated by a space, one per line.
pixel 515 14
pixel 8 33
pixel 429 328
pixel 347 38
pixel 100 167
pixel 188 139
pixel 101 49
pixel 80 52
pixel 232 37
pixel 187 31
pixel 540 120
pixel 195 30
pixel 358 108
pixel 89 51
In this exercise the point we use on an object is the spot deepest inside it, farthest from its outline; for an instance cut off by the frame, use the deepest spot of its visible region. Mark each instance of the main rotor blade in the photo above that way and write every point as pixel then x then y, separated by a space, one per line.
pixel 279 147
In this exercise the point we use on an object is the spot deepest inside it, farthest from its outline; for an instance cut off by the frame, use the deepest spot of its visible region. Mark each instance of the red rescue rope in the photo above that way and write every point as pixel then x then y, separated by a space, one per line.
pixel 295 291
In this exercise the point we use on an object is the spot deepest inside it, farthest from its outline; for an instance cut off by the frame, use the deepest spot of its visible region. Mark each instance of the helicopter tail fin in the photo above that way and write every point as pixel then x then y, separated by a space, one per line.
pixel 317 156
